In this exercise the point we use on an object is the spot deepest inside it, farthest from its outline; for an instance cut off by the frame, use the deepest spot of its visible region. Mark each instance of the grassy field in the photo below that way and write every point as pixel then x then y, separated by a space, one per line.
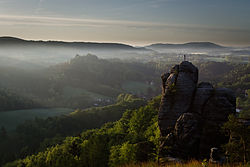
pixel 189 164
pixel 10 119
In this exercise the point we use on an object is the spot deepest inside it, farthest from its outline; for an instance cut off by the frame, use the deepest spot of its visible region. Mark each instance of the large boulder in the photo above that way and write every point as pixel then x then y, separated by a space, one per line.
pixel 177 94
pixel 215 113
pixel 191 115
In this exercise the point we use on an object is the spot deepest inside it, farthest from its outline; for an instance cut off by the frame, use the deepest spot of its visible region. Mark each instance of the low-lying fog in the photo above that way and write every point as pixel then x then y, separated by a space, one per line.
pixel 39 57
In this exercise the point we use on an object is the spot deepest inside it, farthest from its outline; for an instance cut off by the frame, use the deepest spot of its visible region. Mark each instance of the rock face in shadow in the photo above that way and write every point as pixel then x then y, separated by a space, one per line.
pixel 191 115
pixel 177 95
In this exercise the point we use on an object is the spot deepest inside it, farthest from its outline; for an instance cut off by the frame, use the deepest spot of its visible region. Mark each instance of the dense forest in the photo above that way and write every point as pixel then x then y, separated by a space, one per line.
pixel 9 100
pixel 37 135
pixel 127 129
pixel 133 139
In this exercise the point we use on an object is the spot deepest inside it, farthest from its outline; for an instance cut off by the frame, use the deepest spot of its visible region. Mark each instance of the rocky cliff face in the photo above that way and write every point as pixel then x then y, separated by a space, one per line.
pixel 191 115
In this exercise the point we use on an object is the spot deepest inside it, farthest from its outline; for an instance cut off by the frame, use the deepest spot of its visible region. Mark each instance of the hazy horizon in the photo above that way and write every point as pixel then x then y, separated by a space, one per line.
pixel 138 22
pixel 126 43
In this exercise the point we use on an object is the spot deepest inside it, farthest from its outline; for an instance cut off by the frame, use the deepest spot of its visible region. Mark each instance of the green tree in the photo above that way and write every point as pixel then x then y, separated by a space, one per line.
pixel 122 154
pixel 238 147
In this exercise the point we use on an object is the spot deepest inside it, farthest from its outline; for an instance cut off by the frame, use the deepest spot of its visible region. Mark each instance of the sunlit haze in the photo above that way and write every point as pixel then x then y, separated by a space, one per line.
pixel 136 22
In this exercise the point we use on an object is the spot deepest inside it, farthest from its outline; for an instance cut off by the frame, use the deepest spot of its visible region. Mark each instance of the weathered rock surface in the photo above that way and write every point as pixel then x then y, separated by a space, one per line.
pixel 191 115
pixel 177 95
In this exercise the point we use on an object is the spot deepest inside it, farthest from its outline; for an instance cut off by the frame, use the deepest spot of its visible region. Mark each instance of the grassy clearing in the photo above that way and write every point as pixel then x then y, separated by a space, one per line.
pixel 11 119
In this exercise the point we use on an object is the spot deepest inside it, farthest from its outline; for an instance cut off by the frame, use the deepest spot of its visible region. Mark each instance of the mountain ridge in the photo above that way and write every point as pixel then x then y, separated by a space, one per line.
pixel 8 40
pixel 184 45
pixel 104 45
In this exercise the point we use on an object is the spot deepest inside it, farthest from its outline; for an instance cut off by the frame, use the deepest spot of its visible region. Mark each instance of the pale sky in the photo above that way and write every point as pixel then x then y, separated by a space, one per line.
pixel 136 22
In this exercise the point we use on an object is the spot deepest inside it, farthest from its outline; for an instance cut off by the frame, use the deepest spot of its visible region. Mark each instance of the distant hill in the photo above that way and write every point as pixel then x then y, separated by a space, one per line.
pixel 81 82
pixel 192 45
pixel 9 41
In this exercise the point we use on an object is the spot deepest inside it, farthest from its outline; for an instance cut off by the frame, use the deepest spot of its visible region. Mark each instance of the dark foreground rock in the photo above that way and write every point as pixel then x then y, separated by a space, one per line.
pixel 191 115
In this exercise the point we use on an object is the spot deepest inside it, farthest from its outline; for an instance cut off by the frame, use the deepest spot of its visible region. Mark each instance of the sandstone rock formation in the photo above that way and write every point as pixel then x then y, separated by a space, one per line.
pixel 191 115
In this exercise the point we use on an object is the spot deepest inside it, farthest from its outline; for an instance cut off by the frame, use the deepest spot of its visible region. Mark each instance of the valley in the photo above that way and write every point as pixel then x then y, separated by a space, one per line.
pixel 91 96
